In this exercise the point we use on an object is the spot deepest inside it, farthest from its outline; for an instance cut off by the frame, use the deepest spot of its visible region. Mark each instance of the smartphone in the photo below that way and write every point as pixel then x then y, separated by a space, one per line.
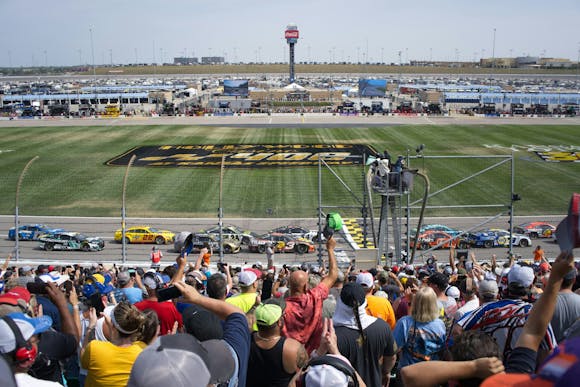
pixel 168 293
pixel 96 302
pixel 36 287
pixel 187 246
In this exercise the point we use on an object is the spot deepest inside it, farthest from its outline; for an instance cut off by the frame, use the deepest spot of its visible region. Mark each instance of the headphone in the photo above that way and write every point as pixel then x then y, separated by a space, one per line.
pixel 334 362
pixel 24 351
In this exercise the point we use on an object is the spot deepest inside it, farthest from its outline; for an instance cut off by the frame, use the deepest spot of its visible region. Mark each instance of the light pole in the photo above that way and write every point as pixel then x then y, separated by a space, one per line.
pixel 123 210
pixel 16 209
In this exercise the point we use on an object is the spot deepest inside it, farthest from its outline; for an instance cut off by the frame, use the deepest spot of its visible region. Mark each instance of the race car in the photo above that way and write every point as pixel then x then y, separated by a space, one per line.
pixel 281 244
pixel 536 229
pixel 432 238
pixel 517 239
pixel 31 232
pixel 145 234
pixel 70 241
pixel 231 232
pixel 200 240
pixel 496 237
pixel 294 231
pixel 437 227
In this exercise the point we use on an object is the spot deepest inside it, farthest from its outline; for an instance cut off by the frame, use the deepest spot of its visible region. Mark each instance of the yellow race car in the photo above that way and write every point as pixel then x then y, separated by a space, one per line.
pixel 145 234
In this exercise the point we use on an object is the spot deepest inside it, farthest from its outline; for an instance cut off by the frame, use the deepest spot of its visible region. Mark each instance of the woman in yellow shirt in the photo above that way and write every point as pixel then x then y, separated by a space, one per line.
pixel 109 363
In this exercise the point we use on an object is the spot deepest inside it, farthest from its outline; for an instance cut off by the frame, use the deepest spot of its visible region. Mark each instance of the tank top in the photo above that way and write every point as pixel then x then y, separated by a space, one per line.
pixel 266 367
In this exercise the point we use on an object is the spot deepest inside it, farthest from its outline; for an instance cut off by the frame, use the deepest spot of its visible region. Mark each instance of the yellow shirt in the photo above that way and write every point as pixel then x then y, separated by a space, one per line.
pixel 381 307
pixel 109 365
pixel 244 301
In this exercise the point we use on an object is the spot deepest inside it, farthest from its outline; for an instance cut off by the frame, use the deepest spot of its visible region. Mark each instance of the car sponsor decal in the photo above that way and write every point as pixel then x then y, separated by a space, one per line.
pixel 244 156
pixel 560 156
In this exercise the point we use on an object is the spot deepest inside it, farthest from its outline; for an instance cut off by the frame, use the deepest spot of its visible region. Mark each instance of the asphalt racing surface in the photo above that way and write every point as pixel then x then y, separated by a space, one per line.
pixel 311 120
pixel 139 253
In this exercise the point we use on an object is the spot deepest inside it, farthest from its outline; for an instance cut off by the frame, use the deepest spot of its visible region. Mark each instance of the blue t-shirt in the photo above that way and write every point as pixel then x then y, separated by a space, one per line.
pixel 133 294
pixel 49 309
pixel 418 340
pixel 237 335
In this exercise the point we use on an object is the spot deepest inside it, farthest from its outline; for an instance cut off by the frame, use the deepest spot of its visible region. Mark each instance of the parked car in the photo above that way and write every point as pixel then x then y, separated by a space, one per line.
pixel 70 241
pixel 31 232
pixel 200 240
pixel 281 244
pixel 536 229
pixel 145 234
pixel 231 232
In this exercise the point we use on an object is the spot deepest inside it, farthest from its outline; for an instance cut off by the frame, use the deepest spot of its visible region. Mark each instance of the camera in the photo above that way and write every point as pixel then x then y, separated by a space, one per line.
pixel 36 287
pixel 168 293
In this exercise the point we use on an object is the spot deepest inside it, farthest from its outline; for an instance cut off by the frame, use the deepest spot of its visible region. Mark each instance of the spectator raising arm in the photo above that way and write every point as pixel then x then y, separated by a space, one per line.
pixel 432 373
pixel 543 310
pixel 220 308
pixel 330 279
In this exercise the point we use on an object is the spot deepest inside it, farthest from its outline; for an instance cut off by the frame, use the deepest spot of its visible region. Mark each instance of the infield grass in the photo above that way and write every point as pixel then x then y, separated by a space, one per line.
pixel 70 177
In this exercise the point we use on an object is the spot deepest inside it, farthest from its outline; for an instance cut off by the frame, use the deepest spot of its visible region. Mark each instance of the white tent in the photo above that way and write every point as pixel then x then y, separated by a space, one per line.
pixel 294 86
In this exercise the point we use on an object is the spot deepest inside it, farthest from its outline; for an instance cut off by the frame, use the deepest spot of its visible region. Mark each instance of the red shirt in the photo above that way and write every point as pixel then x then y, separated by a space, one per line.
pixel 303 317
pixel 166 312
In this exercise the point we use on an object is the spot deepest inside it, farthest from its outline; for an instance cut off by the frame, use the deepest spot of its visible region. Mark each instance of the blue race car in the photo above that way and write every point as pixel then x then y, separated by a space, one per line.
pixel 31 232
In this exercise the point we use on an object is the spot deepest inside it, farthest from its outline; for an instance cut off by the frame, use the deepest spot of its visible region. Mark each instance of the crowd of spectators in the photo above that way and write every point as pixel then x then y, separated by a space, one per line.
pixel 458 322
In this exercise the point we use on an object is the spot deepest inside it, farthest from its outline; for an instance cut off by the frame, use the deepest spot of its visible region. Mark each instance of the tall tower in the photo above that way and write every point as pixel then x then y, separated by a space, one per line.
pixel 291 36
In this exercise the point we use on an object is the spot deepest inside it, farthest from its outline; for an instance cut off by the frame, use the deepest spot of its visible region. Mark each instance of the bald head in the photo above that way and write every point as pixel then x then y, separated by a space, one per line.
pixel 298 282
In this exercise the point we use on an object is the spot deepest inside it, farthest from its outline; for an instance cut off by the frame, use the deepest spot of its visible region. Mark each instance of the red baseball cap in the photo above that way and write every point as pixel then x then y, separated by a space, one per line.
pixel 13 295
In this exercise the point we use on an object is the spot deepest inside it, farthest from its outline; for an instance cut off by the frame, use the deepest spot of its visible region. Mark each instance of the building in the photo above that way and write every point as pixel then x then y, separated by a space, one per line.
pixel 209 60
pixel 183 61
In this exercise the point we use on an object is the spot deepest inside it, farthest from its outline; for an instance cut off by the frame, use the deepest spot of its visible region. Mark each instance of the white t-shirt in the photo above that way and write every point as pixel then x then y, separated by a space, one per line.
pixel 25 380
pixel 467 308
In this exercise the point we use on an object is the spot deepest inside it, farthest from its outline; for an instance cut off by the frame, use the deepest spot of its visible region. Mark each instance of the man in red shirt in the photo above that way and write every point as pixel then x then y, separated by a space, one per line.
pixel 303 313
pixel 166 311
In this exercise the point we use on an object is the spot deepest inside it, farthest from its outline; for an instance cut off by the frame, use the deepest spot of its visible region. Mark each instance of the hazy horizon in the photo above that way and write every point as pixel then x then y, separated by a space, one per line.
pixel 59 33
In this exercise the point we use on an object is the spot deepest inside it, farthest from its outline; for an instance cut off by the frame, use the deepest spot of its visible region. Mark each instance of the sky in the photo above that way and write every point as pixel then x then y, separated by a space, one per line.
pixel 72 32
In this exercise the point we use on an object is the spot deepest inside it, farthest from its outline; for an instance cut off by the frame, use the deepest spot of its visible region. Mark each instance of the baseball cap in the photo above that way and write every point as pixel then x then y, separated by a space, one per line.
pixel 54 276
pixel 197 275
pixel 202 323
pixel 351 293
pixel 571 274
pixel 28 326
pixel 561 368
pixel 26 268
pixel 152 280
pixel 329 370
pixel 13 295
pixel 6 374
pixel 461 272
pixel 453 292
pixel 488 289
pixel 247 278
pixel 267 314
pixel 545 267
pixel 186 359
pixel 365 279
pixel 521 275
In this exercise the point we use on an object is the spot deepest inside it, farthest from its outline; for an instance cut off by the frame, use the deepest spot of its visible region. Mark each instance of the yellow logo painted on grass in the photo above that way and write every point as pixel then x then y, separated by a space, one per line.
pixel 560 156
pixel 241 156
